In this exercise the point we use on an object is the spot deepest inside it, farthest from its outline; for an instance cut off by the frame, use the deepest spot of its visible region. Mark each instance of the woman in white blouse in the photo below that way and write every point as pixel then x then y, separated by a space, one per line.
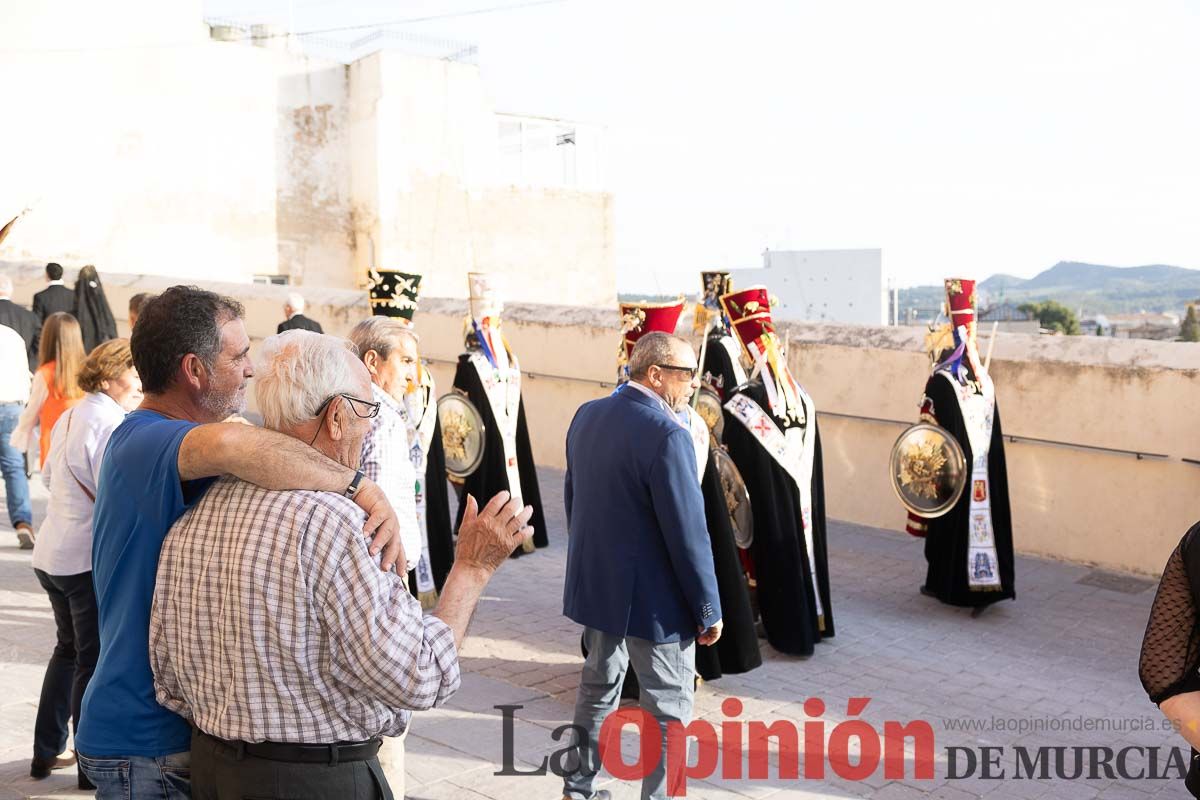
pixel 62 552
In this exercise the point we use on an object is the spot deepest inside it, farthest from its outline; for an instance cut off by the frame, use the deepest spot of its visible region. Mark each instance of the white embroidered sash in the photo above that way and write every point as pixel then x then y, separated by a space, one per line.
pixel 422 419
pixel 978 410
pixel 503 389
pixel 735 358
pixel 795 452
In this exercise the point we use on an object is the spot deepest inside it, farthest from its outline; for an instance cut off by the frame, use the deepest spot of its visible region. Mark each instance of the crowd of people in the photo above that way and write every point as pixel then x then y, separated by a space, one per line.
pixel 313 517
pixel 258 610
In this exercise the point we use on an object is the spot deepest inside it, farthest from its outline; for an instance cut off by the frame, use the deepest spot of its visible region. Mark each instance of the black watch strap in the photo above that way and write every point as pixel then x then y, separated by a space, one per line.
pixel 352 489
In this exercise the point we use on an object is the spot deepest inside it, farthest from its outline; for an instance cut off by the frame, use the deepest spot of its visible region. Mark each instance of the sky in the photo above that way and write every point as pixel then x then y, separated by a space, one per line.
pixel 961 137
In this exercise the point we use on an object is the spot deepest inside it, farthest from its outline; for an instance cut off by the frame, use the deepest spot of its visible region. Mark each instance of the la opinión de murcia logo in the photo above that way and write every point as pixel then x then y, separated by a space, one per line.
pixel 854 750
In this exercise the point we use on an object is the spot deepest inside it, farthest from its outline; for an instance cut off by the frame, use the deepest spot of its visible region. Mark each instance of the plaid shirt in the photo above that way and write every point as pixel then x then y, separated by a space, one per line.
pixel 271 621
pixel 387 460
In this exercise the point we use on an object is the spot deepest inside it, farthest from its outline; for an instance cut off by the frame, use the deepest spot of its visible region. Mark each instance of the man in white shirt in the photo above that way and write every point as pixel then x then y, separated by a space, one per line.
pixel 14 392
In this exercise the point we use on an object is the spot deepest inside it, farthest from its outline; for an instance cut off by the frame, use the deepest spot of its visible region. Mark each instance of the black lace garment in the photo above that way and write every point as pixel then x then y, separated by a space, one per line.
pixel 1171 648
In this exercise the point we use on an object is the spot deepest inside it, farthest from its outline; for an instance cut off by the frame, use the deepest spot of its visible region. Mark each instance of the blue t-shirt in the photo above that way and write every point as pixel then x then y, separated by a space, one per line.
pixel 139 497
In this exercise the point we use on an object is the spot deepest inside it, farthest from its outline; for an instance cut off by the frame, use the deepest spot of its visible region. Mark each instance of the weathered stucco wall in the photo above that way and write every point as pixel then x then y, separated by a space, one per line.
pixel 432 200
pixel 153 149
pixel 1110 509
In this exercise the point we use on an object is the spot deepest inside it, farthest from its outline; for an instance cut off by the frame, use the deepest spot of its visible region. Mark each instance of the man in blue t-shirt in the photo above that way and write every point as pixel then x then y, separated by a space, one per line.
pixel 192 353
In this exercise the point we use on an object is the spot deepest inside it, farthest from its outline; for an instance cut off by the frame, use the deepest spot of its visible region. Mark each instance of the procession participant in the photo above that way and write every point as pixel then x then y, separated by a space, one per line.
pixel 722 369
pixel 489 375
pixel 771 434
pixel 737 651
pixel 969 550
pixel 394 297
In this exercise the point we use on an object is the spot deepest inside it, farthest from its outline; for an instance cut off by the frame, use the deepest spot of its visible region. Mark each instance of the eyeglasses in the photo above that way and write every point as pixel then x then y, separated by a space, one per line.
pixel 690 371
pixel 372 409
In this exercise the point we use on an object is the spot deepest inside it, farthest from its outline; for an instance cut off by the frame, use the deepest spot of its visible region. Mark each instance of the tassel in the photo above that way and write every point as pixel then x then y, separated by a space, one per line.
pixel 428 599
pixel 527 546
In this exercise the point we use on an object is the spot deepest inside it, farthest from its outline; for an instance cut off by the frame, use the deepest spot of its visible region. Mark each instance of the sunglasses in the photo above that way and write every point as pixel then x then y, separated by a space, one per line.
pixel 689 371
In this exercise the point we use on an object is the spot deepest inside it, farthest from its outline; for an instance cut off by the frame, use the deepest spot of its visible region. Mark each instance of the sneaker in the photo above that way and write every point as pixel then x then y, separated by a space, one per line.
pixel 25 535
pixel 603 794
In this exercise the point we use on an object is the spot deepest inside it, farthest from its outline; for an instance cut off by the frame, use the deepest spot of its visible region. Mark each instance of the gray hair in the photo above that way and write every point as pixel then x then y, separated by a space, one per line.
pixel 6 286
pixel 380 334
pixel 296 372
pixel 295 300
pixel 653 348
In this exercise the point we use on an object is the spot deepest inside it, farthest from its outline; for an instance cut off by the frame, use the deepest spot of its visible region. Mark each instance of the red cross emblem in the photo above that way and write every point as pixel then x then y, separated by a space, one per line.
pixel 762 425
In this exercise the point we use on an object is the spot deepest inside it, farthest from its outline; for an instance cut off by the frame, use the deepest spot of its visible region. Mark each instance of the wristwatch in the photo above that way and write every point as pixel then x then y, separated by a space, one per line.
pixel 352 489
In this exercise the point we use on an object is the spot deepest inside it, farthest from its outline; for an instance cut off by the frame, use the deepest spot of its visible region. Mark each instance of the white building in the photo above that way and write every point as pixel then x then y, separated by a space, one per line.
pixel 822 285
pixel 145 141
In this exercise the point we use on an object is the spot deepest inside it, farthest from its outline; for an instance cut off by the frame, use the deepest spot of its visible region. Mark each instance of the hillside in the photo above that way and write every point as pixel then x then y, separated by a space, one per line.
pixel 1090 288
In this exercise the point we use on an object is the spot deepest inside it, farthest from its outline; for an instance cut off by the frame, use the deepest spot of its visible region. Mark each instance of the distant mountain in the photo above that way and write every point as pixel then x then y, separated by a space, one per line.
pixel 1090 288
pixel 1000 281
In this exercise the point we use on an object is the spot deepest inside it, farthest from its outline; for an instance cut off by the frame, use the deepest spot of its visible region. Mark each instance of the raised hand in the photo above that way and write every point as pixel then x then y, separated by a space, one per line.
pixel 487 538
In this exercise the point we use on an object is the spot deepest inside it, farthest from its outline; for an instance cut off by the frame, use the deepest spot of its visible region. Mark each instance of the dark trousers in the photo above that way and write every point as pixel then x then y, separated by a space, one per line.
pixel 219 773
pixel 72 663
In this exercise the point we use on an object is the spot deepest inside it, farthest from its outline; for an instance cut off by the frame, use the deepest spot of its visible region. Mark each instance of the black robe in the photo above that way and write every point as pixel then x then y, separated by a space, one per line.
pixel 717 370
pixel 785 587
pixel 437 512
pixel 737 649
pixel 946 538
pixel 492 476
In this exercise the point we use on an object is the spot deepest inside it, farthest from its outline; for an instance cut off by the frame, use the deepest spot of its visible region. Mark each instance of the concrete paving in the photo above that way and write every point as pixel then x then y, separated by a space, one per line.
pixel 1055 668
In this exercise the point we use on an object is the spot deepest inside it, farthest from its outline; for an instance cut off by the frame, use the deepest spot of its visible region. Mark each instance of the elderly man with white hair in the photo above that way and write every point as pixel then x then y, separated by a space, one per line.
pixel 293 309
pixel 274 630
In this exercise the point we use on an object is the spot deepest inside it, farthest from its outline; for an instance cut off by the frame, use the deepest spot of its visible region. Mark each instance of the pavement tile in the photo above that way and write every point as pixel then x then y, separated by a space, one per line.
pixel 1065 650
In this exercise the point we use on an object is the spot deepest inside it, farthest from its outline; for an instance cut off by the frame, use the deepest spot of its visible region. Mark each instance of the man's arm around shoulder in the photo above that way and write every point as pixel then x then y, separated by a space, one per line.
pixel 275 461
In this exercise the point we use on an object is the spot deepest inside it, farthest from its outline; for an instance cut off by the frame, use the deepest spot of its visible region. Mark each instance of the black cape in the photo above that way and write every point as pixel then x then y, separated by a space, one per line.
pixel 437 511
pixel 492 477
pixel 785 587
pixel 946 538
pixel 737 649
pixel 96 322
pixel 717 369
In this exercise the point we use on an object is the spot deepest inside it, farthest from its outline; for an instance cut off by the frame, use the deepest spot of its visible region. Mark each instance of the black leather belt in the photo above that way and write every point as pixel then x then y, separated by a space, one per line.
pixel 303 753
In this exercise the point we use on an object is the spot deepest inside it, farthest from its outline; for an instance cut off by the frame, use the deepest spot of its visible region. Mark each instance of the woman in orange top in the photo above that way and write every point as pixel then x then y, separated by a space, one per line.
pixel 55 384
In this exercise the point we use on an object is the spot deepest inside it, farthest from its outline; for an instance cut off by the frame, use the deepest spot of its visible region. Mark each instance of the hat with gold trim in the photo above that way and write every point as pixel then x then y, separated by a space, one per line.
pixel 960 297
pixel 393 293
pixel 638 319
pixel 749 312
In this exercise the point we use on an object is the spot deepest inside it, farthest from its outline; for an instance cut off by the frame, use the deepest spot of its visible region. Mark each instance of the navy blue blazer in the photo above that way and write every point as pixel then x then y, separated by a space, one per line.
pixel 639 561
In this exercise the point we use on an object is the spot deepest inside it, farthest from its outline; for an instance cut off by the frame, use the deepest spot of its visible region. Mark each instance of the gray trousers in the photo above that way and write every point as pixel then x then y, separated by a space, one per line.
pixel 666 675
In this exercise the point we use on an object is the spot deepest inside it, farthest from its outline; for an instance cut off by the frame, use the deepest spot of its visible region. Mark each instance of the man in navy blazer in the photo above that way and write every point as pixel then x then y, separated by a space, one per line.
pixel 640 575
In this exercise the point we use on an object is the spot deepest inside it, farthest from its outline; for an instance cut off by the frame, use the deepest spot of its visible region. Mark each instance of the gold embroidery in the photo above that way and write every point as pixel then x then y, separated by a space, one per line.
pixel 455 430
pixel 920 465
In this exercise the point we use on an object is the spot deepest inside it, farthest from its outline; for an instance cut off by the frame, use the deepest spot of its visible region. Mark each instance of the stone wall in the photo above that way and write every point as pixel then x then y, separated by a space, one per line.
pixel 1070 499
pixel 153 149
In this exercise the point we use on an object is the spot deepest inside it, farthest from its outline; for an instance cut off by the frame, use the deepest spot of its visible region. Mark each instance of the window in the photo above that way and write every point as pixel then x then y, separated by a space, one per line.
pixel 273 280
